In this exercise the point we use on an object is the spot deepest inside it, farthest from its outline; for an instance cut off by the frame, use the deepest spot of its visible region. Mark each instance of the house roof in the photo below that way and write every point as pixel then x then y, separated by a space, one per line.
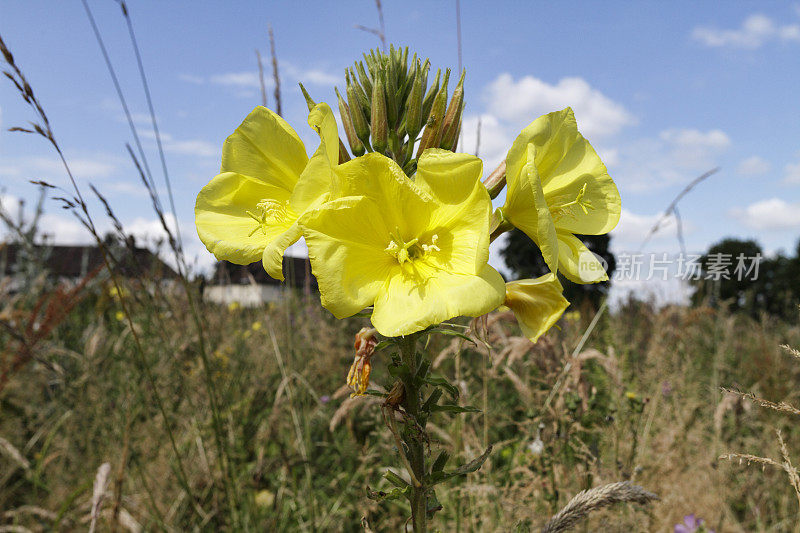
pixel 77 261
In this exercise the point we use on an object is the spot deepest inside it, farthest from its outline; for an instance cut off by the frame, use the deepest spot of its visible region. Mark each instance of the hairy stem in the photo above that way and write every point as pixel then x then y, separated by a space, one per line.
pixel 414 436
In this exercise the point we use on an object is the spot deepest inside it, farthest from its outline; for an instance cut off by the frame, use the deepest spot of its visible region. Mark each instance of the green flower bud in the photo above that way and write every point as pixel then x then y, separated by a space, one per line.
pixel 390 89
pixel 309 101
pixel 360 123
pixel 363 78
pixel 378 122
pixel 414 106
pixel 452 119
pixel 427 102
pixel 347 121
pixel 432 135
pixel 363 98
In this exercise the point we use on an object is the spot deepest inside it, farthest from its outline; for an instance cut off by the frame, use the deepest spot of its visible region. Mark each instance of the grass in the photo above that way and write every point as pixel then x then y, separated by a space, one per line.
pixel 641 403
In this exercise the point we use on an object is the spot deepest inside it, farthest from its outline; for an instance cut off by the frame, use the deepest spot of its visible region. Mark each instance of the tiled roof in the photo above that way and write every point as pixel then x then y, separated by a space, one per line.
pixel 77 261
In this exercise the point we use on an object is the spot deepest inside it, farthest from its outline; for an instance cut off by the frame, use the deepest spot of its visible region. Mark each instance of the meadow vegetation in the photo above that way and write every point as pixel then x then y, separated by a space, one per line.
pixel 640 400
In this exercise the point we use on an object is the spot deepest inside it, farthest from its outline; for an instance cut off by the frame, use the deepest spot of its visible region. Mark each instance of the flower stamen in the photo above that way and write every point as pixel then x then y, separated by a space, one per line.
pixel 407 252
pixel 269 212
pixel 560 210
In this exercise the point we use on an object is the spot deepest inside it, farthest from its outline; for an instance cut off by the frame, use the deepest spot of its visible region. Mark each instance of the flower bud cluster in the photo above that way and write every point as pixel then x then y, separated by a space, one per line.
pixel 388 106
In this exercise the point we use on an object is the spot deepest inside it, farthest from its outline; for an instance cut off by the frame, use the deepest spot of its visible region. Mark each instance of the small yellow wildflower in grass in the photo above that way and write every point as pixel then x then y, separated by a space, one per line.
pixel 537 304
pixel 120 316
pixel 249 211
pixel 558 186
pixel 233 306
pixel 416 250
pixel 255 326
pixel 264 498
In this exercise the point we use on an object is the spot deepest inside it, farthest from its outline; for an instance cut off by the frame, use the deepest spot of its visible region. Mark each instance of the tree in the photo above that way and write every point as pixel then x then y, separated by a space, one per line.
pixel 773 286
pixel 525 260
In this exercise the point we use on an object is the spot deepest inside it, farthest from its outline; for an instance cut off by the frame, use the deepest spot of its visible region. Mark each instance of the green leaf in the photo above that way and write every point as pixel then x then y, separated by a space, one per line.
pixel 385 344
pixel 396 480
pixel 472 466
pixel 441 461
pixel 452 390
pixel 422 371
pixel 452 333
pixel 394 494
pixel 432 399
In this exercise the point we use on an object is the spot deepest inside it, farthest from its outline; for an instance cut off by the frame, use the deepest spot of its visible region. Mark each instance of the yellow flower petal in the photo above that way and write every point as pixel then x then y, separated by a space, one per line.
pixel 448 177
pixel 404 205
pixel 346 241
pixel 406 306
pixel 576 262
pixel 223 216
pixel 272 258
pixel 419 260
pixel 537 304
pixel 567 163
pixel 526 207
pixel 316 180
pixel 462 207
pixel 265 147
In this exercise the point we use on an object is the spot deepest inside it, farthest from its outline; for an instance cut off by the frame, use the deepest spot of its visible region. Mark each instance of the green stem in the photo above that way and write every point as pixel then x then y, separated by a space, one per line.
pixel 414 434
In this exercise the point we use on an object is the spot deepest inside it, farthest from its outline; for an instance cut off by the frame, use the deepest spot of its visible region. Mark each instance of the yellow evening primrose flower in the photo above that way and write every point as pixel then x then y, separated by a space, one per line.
pixel 416 250
pixel 557 186
pixel 249 211
pixel 537 303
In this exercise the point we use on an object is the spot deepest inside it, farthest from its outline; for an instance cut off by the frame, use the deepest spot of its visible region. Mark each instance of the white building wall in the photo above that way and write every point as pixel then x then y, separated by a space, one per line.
pixel 245 295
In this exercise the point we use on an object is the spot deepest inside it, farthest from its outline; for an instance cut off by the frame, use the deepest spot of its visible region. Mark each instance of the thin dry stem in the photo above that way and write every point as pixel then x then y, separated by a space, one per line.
pixel 275 74
pixel 781 407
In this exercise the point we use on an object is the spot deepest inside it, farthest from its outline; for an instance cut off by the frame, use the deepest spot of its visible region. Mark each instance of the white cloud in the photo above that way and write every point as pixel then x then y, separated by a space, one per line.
pixel 754 32
pixel 694 149
pixel 676 156
pixel 311 76
pixel 193 147
pixel 150 230
pixel 771 214
pixel 494 141
pixel 754 166
pixel 633 229
pixel 57 228
pixel 248 79
pixel 530 97
pixel 88 168
pixel 792 174
pixel 10 205
pixel 191 78
pixel 62 229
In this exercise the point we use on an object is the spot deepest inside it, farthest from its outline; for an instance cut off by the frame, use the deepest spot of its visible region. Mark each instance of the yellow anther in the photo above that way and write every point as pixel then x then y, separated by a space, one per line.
pixel 432 246
pixel 409 251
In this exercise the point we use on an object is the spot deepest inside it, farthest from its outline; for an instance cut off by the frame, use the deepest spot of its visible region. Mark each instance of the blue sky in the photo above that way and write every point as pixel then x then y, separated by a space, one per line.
pixel 663 90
